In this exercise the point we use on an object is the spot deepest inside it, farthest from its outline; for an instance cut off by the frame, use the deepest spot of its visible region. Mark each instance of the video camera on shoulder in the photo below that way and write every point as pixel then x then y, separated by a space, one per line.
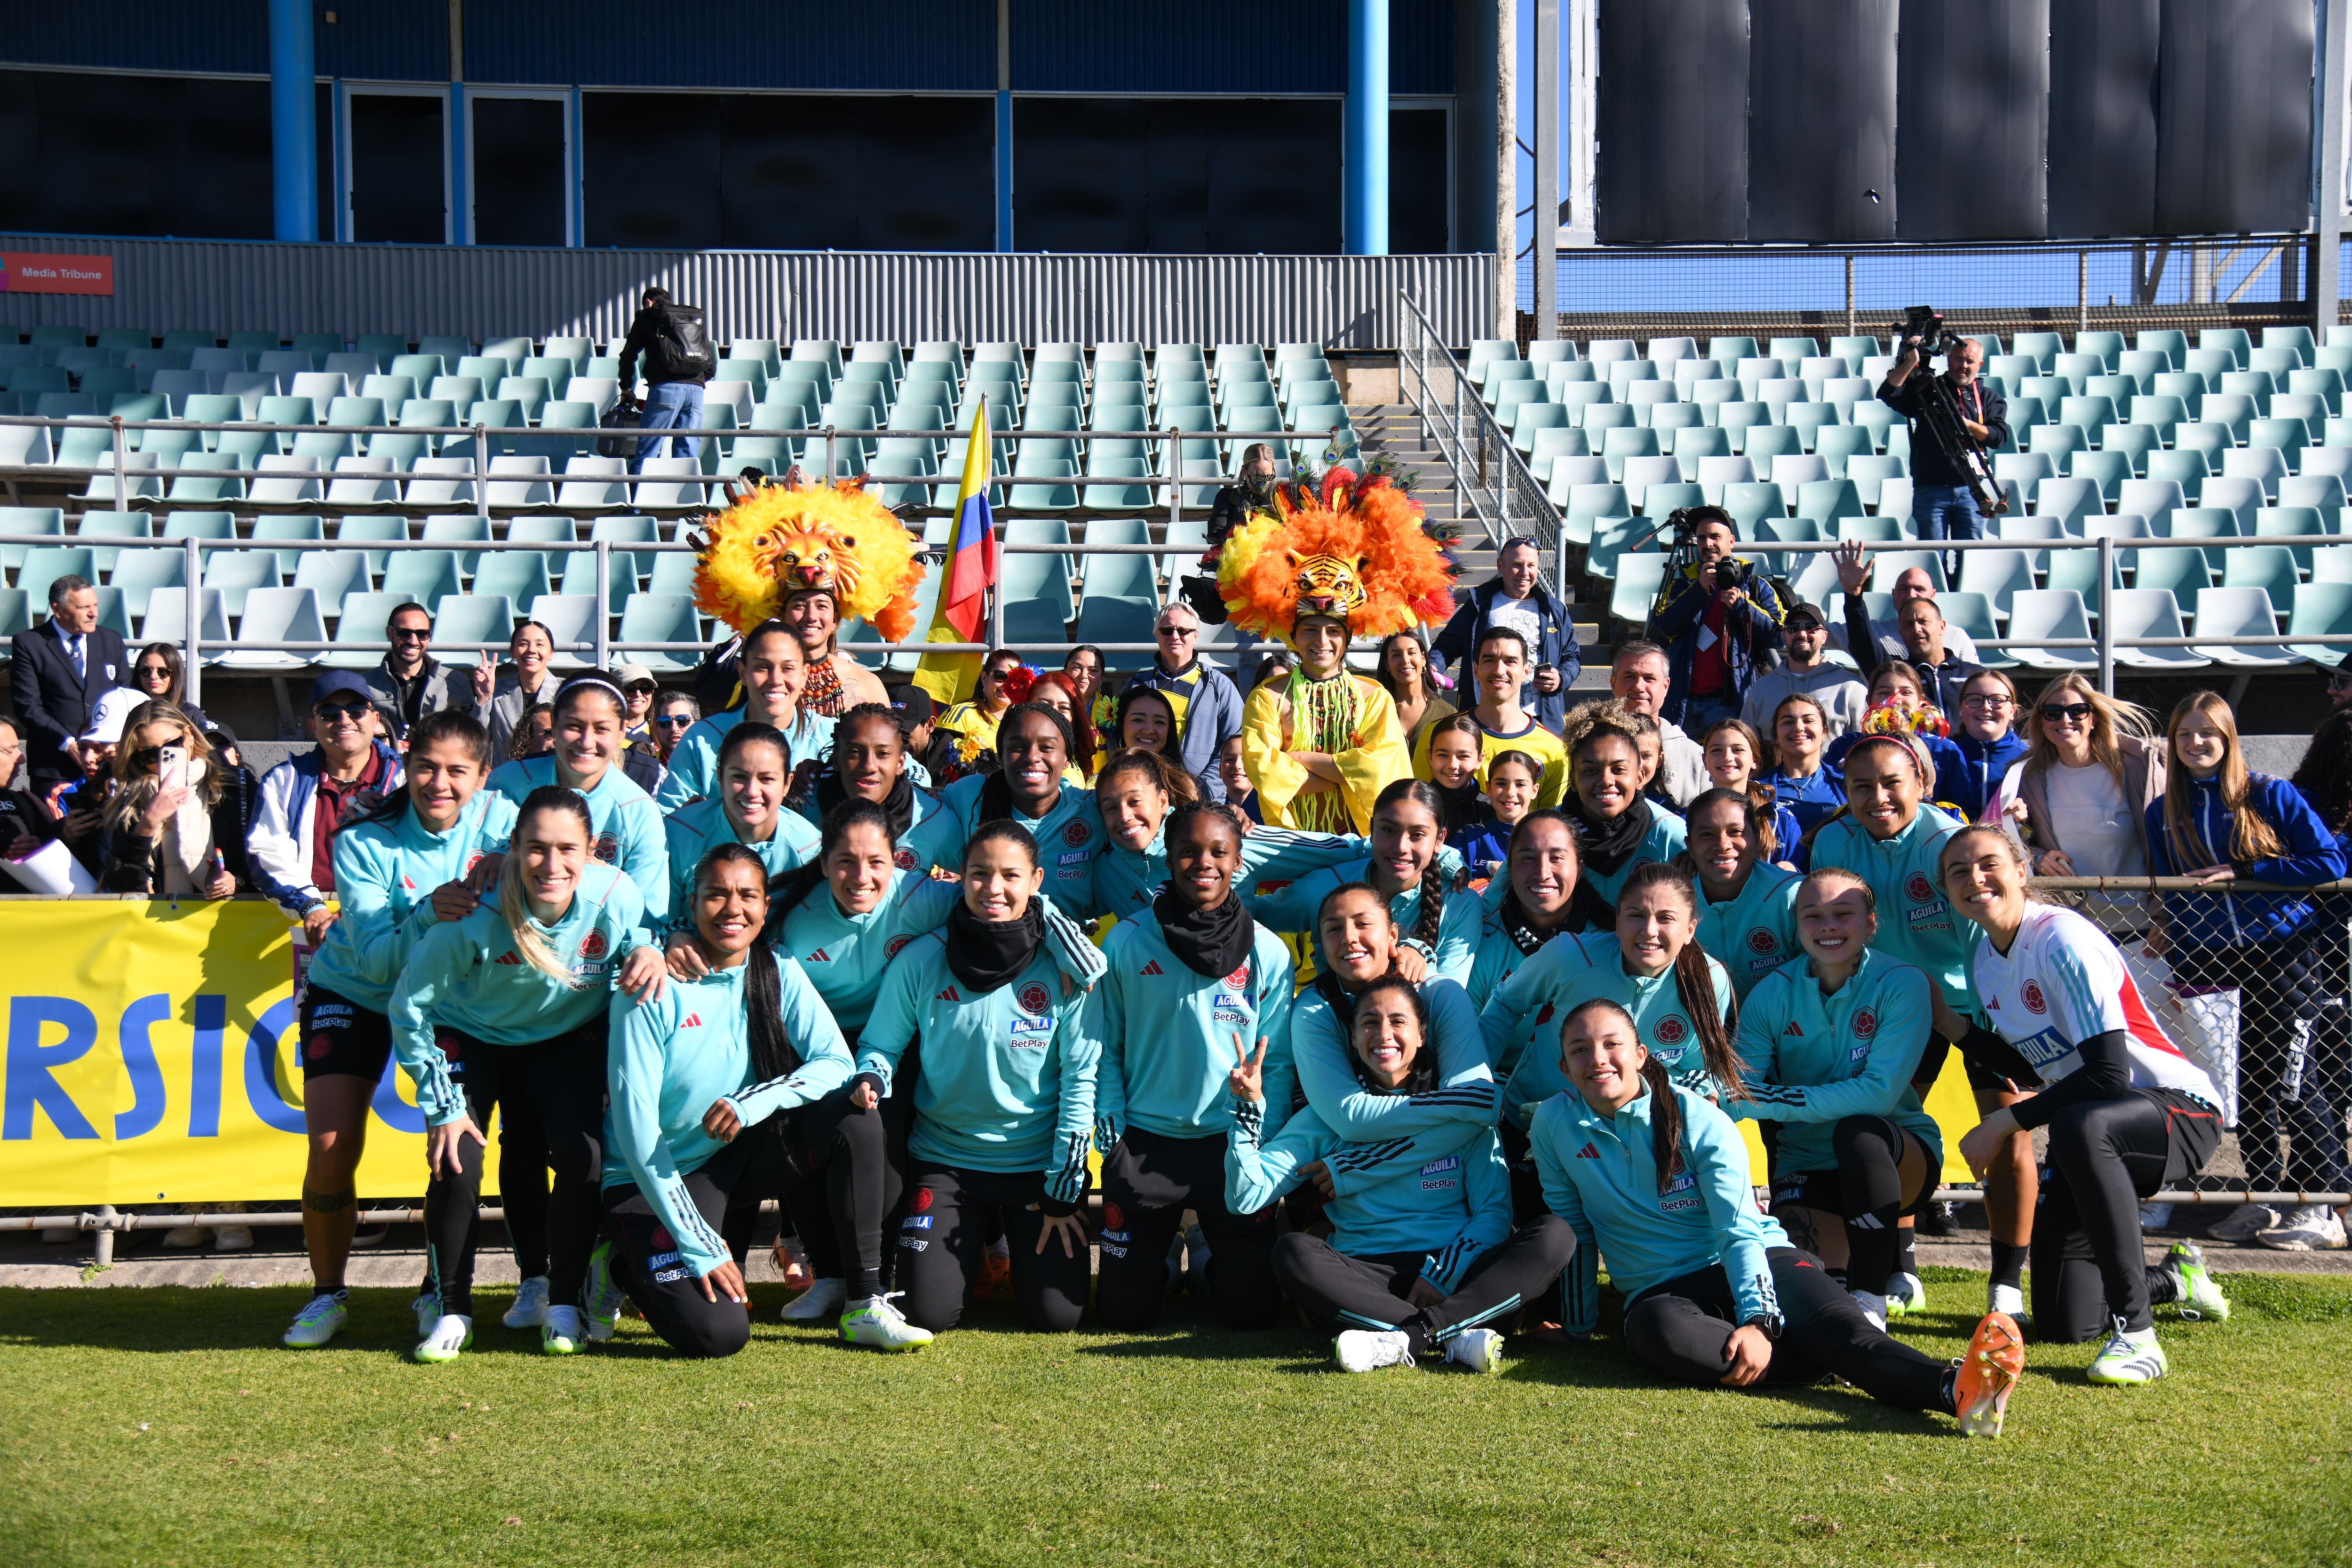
pixel 1926 323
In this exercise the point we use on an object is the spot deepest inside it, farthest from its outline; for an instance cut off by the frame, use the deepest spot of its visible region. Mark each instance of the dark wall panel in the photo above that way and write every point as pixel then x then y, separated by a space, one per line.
pixel 1177 176
pixel 650 170
pixel 908 46
pixel 1218 45
pixel 1673 122
pixel 1418 187
pixel 1973 84
pixel 2233 116
pixel 1821 122
pixel 2103 80
pixel 134 155
pixel 754 171
pixel 518 171
pixel 400 168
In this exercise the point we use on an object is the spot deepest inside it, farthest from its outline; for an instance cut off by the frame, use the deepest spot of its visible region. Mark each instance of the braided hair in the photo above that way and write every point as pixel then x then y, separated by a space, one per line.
pixel 773 1053
pixel 1430 917
pixel 1717 1026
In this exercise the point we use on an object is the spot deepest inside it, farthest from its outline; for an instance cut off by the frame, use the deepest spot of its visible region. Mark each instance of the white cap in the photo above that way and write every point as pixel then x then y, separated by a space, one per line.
pixel 113 712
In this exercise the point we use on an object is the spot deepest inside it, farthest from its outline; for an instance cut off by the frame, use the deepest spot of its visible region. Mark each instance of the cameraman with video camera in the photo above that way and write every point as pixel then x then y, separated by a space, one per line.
pixel 1944 503
pixel 1720 620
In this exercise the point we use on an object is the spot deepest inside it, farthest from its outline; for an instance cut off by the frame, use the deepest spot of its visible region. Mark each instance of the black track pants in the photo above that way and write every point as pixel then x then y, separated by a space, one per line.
pixel 1149 1181
pixel 665 1287
pixel 1337 1292
pixel 943 1239
pixel 559 1084
pixel 1682 1326
pixel 809 1210
pixel 2089 1266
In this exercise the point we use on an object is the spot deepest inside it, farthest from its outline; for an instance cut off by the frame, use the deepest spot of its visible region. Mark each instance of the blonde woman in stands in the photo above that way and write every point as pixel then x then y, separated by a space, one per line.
pixel 2091 772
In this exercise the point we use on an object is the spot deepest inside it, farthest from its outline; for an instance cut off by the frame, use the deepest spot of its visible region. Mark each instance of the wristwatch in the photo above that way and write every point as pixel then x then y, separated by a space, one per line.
pixel 1765 1323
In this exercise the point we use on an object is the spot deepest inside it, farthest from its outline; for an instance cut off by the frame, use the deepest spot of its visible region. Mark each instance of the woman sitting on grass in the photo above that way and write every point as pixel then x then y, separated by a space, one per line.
pixel 1656 1177
pixel 1421 1254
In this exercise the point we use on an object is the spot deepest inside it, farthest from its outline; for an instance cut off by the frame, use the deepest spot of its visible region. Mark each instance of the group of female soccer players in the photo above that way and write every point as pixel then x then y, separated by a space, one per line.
pixel 884 1007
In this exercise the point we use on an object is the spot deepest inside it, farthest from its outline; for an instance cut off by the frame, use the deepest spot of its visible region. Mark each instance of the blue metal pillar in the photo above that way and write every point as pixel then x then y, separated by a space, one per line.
pixel 1364 202
pixel 460 204
pixel 1003 171
pixel 293 121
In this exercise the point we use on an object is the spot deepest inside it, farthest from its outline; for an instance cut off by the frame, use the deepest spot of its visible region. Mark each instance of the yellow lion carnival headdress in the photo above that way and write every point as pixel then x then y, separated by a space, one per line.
pixel 1351 548
pixel 778 541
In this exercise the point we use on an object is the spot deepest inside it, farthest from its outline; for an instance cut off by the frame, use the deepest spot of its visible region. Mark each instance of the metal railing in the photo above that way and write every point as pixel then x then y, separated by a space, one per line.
pixel 1491 480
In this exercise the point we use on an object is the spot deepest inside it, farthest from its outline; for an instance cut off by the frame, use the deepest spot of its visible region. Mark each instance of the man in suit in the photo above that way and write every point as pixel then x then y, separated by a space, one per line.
pixel 61 670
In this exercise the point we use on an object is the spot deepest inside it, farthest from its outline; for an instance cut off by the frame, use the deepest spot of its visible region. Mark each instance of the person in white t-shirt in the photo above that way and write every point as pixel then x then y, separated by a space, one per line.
pixel 2128 1113
pixel 2089 775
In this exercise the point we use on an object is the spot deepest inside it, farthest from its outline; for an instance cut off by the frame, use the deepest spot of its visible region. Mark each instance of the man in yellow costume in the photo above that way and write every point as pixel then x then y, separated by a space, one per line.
pixel 1346 559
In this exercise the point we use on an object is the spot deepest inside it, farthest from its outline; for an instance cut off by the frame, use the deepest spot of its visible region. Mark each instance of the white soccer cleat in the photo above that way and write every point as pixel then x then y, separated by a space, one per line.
pixel 879 1324
pixel 232 1238
pixel 1369 1350
pixel 2128 1358
pixel 427 1308
pixel 530 1309
pixel 2006 1298
pixel 447 1340
pixel 1874 1307
pixel 823 1299
pixel 318 1322
pixel 1480 1350
pixel 563 1331
pixel 2312 1228
pixel 1905 1293
pixel 2244 1223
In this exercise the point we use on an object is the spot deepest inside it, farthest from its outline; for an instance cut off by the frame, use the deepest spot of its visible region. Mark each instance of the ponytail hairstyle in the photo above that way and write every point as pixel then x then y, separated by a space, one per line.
pixel 1008 830
pixel 1431 915
pixel 1717 1025
pixel 751 732
pixel 1665 1111
pixel 1756 813
pixel 1583 907
pixel 2009 846
pixel 1173 781
pixel 1817 884
pixel 1327 983
pixel 594 681
pixel 1759 794
pixel 788 893
pixel 2252 836
pixel 442 724
pixel 772 1054
pixel 1422 1077
pixel 514 909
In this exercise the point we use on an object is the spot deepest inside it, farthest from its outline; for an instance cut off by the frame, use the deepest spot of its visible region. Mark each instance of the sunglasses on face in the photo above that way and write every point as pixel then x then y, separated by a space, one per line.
pixel 1186 632
pixel 676 721
pixel 641 689
pixel 332 711
pixel 412 633
pixel 2072 712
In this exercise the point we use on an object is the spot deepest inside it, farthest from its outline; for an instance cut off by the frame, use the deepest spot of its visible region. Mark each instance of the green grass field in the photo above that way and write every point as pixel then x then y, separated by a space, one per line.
pixel 164 1426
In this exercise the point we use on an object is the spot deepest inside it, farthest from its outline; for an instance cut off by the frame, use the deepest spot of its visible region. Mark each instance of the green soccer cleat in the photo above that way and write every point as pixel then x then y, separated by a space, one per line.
pixel 604 1296
pixel 448 1341
pixel 877 1323
pixel 2193 1288
pixel 318 1322
pixel 562 1333
pixel 2128 1359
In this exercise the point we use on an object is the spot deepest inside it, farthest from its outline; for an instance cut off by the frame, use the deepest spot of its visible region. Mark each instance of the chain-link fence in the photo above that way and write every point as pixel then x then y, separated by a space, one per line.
pixel 2251 282
pixel 2251 982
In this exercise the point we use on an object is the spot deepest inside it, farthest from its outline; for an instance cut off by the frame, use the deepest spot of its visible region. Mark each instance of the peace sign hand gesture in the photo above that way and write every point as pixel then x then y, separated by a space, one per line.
pixel 1247 1079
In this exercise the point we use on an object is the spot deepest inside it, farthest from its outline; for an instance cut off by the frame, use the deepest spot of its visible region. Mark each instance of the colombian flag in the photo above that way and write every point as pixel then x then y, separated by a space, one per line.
pixel 970 572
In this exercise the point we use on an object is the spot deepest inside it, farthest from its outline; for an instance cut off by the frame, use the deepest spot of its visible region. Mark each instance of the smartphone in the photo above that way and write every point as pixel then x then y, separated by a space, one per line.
pixel 172 768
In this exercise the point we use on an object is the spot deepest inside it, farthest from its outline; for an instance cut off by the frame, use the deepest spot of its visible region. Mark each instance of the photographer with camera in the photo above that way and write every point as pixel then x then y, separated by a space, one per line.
pixel 1944 478
pixel 1720 620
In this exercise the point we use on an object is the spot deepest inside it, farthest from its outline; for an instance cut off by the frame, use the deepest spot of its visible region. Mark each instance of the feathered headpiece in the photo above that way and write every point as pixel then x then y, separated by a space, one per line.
pixel 778 541
pixel 1352 549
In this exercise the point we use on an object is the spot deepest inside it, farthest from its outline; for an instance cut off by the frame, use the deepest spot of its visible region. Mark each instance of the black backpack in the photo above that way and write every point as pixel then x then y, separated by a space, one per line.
pixel 681 346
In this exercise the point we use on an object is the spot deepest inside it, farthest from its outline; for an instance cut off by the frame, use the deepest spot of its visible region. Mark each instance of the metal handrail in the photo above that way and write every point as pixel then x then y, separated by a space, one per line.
pixel 1510 500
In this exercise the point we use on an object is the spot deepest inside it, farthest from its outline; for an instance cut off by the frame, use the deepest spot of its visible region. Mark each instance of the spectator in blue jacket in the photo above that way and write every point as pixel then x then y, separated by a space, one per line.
pixel 304 799
pixel 2220 823
pixel 1721 626
pixel 1516 597
pixel 1987 742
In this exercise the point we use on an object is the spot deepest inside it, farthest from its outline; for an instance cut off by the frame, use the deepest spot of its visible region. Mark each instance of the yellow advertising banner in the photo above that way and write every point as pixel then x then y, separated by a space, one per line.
pixel 152 1058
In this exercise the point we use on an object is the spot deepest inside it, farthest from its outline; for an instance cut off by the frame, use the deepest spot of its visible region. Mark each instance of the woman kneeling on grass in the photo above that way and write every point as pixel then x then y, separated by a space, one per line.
pixel 1005 1100
pixel 508 1007
pixel 1656 1177
pixel 2128 1114
pixel 1422 1253
pixel 716 1087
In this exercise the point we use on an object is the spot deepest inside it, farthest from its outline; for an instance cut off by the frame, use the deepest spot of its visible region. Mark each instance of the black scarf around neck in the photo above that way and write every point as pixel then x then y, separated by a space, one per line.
pixel 988 954
pixel 1525 934
pixel 1211 942
pixel 1463 804
pixel 1606 847
pixel 900 803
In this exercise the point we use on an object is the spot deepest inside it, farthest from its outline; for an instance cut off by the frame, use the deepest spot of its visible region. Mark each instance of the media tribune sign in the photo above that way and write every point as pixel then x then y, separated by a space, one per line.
pixel 22 272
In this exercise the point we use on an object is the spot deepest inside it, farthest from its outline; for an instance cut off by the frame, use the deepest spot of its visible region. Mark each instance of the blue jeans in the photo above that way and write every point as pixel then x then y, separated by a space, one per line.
pixel 670 405
pixel 1944 511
